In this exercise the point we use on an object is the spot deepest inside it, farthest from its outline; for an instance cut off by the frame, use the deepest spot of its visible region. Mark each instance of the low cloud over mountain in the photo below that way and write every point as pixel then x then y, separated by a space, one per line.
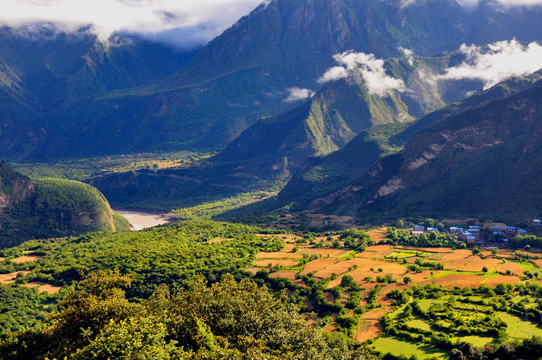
pixel 180 23
pixel 363 68
pixel 496 62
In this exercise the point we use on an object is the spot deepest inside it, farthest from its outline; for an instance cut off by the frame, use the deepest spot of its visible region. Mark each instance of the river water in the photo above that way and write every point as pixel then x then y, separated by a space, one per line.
pixel 141 220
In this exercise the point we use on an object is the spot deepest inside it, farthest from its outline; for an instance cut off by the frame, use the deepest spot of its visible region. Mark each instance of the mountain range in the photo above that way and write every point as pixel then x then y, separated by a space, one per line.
pixel 316 91
pixel 481 163
pixel 157 103
pixel 276 147
pixel 321 179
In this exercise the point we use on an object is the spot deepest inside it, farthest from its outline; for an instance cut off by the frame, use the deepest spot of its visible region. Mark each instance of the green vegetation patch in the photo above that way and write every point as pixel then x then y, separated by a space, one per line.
pixel 425 304
pixel 518 328
pixel 169 254
pixel 476 341
pixel 388 344
pixel 419 324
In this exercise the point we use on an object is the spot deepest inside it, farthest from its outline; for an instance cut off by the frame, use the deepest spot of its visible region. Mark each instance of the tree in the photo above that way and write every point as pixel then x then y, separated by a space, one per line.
pixel 485 269
pixel 347 281
pixel 429 222
pixel 407 280
pixel 228 320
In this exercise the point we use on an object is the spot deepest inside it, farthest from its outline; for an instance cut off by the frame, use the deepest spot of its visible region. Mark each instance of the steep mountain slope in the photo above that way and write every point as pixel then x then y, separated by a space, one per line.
pixel 482 163
pixel 57 69
pixel 244 74
pixel 42 72
pixel 46 208
pixel 315 183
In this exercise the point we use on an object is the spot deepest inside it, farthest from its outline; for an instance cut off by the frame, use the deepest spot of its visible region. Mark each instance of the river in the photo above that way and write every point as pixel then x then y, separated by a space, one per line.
pixel 141 220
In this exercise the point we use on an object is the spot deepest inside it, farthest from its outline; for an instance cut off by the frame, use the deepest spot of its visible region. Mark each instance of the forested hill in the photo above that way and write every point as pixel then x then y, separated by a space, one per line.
pixel 45 208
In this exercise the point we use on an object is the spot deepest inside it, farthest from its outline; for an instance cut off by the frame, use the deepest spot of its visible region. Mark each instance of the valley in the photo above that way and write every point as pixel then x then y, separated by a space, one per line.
pixel 323 180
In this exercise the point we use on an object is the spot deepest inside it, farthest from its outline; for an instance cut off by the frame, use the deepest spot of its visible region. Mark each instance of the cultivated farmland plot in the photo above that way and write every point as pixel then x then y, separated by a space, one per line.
pixel 411 301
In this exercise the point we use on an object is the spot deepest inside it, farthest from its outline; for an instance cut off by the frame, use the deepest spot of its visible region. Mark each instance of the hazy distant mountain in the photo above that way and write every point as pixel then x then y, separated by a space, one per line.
pixel 239 77
pixel 40 73
pixel 483 163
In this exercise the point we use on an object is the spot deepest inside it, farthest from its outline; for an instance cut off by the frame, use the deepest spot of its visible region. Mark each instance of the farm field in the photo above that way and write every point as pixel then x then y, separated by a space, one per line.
pixel 388 344
pixel 365 290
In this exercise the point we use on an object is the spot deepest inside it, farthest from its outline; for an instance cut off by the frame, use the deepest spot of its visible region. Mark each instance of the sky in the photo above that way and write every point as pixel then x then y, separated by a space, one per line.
pixel 183 23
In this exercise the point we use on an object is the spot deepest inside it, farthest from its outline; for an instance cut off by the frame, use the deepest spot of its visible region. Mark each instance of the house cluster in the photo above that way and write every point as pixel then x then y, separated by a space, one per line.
pixel 472 235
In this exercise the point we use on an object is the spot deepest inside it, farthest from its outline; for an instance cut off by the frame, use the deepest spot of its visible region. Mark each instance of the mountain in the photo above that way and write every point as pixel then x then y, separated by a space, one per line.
pixel 44 208
pixel 274 147
pixel 482 163
pixel 318 179
pixel 245 74
pixel 44 71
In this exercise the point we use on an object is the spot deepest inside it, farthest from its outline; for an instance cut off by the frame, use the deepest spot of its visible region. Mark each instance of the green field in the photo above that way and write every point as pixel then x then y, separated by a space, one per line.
pixel 476 341
pixel 518 328
pixel 419 324
pixel 387 344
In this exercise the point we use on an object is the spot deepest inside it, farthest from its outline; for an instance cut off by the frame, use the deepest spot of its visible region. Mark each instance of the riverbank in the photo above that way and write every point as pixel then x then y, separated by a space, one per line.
pixel 141 220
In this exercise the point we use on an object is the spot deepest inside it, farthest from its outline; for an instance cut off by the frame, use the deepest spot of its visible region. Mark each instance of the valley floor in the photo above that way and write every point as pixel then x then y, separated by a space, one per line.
pixel 141 220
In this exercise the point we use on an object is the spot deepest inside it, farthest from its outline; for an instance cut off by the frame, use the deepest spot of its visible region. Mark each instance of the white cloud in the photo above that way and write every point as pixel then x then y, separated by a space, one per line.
pixel 200 20
pixel 409 54
pixel 502 3
pixel 297 94
pixel 496 63
pixel 363 68
pixel 334 74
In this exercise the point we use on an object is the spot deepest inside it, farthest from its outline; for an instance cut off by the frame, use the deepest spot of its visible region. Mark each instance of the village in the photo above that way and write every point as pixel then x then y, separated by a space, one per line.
pixel 477 235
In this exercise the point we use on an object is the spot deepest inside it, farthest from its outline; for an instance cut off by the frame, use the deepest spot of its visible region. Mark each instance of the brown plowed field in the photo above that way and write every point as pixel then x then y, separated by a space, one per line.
pixel 368 329
pixel 452 280
pixel 273 262
pixel 377 252
pixel 279 255
pixel 507 254
pixel 512 266
pixel 457 255
pixel 377 234
pixel 318 265
pixel 26 258
pixel 476 264
pixel 10 278
pixel 44 287
pixel 537 262
pixel 426 249
pixel 503 279
pixel 363 270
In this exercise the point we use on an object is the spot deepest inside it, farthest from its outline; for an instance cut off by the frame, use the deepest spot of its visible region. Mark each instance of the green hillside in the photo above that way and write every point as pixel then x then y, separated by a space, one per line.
pixel 44 208
pixel 482 163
